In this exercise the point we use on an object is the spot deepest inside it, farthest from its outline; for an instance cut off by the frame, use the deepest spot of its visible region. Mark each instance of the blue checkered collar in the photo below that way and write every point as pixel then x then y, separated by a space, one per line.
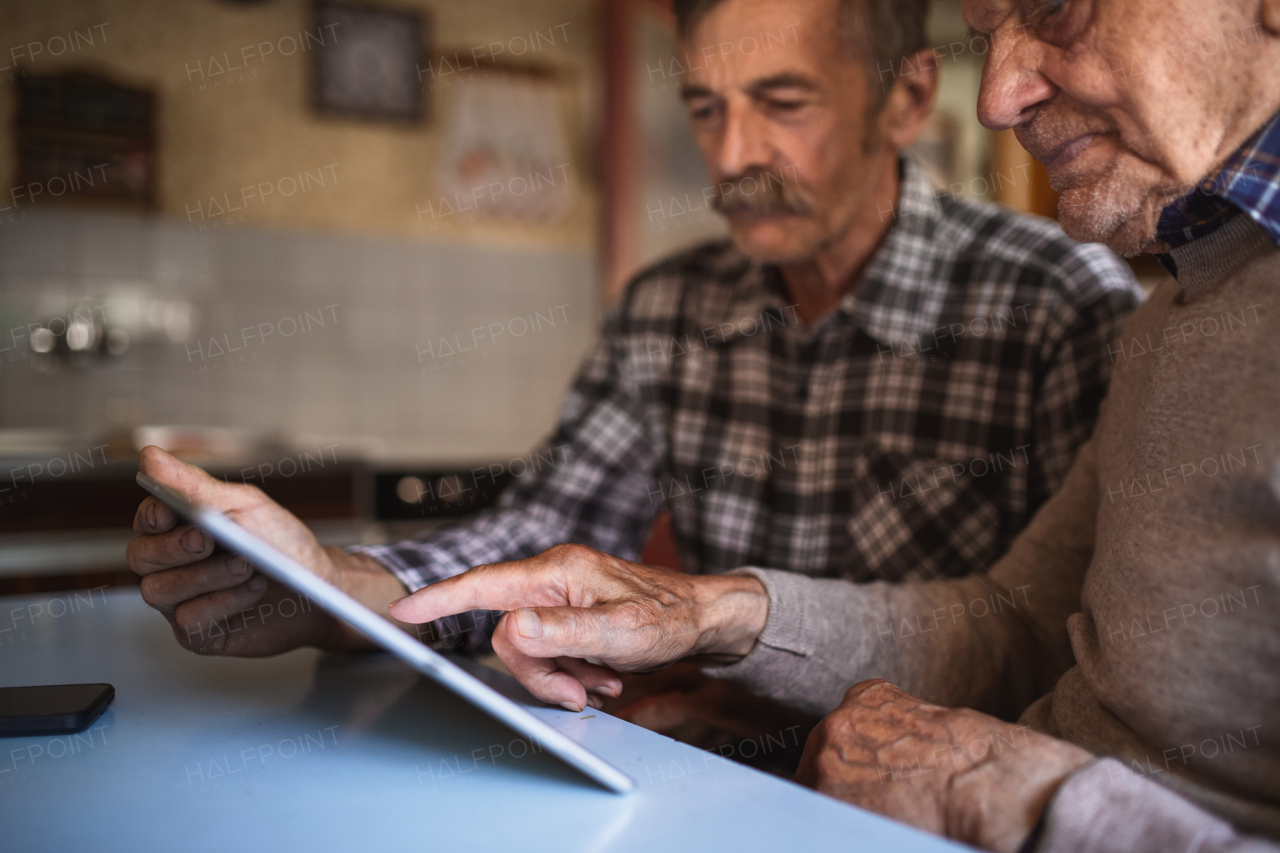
pixel 1248 182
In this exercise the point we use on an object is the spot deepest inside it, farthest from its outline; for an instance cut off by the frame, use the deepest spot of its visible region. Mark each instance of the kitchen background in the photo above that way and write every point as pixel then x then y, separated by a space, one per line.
pixel 344 251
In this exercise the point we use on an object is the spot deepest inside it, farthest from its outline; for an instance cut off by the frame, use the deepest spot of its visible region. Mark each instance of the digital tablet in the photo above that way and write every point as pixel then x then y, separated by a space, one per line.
pixel 337 603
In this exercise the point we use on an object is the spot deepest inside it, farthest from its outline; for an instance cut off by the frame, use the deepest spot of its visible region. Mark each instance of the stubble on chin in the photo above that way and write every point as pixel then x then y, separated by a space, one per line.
pixel 777 248
pixel 1118 209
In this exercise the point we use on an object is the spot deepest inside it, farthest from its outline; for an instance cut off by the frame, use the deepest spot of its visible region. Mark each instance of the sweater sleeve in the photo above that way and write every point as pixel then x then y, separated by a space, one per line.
pixel 992 642
pixel 1105 808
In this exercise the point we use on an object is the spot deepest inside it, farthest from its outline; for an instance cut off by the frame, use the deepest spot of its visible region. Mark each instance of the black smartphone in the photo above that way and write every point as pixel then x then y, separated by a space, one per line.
pixel 53 709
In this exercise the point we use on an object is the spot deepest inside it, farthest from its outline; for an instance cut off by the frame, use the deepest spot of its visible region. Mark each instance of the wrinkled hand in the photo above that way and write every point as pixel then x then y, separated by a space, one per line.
pixel 571 603
pixel 215 602
pixel 956 772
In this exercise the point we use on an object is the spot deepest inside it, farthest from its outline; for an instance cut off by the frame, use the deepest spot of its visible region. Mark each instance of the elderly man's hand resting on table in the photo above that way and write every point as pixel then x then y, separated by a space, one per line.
pixel 215 602
pixel 571 603
pixel 951 771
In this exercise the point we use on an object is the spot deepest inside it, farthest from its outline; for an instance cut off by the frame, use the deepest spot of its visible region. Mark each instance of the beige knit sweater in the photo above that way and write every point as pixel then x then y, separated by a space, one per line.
pixel 1141 607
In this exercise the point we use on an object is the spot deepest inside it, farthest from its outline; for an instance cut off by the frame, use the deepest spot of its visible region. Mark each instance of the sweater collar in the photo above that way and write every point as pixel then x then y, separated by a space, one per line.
pixel 1198 264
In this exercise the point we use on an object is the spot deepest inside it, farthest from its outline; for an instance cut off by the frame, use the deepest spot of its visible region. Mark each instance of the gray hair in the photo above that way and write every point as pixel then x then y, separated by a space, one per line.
pixel 881 32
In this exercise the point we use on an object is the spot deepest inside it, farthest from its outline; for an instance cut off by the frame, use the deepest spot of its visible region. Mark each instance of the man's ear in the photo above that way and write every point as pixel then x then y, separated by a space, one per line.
pixel 909 104
pixel 1271 16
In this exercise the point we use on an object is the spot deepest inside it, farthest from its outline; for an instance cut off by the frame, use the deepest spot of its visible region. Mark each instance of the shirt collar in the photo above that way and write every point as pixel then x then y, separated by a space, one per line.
pixel 899 297
pixel 1249 181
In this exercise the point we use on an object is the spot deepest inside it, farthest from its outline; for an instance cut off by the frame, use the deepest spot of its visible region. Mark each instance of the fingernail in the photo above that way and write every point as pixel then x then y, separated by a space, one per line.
pixel 193 541
pixel 572 706
pixel 609 690
pixel 238 566
pixel 529 625
pixel 258 584
pixel 151 515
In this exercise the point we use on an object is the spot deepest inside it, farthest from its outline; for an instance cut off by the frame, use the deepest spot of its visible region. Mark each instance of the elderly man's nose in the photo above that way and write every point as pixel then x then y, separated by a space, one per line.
pixel 744 144
pixel 1012 84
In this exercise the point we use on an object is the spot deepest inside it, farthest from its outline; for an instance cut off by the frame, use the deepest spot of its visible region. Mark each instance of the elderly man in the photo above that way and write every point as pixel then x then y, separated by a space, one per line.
pixel 1131 628
pixel 871 381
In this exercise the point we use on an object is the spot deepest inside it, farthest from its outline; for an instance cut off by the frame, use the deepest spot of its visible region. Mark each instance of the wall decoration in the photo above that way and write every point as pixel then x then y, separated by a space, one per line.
pixel 507 151
pixel 371 68
pixel 83 139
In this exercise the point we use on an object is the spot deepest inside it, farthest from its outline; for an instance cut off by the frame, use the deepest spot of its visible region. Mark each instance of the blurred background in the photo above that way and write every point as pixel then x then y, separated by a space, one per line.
pixel 348 252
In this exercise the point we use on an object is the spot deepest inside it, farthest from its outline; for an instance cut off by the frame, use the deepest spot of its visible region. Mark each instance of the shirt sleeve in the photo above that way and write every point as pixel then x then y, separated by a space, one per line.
pixel 992 642
pixel 1105 808
pixel 591 483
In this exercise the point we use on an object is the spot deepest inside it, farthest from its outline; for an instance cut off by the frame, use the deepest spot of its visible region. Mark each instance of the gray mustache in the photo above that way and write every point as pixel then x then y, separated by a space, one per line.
pixel 762 194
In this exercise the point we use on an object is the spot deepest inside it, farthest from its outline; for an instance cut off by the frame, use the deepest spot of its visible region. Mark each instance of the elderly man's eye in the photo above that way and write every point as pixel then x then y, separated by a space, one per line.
pixel 1060 22
pixel 702 111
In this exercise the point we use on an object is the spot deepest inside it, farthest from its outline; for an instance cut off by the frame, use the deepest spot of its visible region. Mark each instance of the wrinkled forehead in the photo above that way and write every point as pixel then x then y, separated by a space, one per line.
pixel 987 15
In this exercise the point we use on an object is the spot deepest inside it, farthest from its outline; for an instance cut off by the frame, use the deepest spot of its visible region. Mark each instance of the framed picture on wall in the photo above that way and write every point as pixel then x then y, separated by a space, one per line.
pixel 84 139
pixel 369 70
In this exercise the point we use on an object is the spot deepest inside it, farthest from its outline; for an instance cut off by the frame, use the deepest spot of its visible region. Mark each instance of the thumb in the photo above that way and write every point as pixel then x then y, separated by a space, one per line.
pixel 195 483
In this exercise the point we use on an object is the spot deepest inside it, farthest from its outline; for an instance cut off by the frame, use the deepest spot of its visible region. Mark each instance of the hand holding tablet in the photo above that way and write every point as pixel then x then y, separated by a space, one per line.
pixel 280 561
pixel 199 590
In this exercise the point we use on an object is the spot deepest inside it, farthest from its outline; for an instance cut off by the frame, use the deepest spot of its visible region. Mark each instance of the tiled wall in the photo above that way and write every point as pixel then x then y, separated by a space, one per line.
pixel 371 377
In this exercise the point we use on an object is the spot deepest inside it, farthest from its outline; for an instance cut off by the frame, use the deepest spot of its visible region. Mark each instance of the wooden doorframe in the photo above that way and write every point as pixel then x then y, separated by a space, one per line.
pixel 619 142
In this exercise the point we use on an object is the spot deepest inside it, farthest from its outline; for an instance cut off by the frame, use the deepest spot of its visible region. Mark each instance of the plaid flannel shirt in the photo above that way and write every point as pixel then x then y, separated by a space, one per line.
pixel 909 434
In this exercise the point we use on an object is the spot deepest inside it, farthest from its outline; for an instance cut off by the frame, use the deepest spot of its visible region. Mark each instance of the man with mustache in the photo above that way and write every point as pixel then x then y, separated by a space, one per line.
pixel 1131 628
pixel 869 382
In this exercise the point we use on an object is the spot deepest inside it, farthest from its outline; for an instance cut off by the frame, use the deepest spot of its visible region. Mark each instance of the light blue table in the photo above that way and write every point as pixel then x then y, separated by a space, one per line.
pixel 309 752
